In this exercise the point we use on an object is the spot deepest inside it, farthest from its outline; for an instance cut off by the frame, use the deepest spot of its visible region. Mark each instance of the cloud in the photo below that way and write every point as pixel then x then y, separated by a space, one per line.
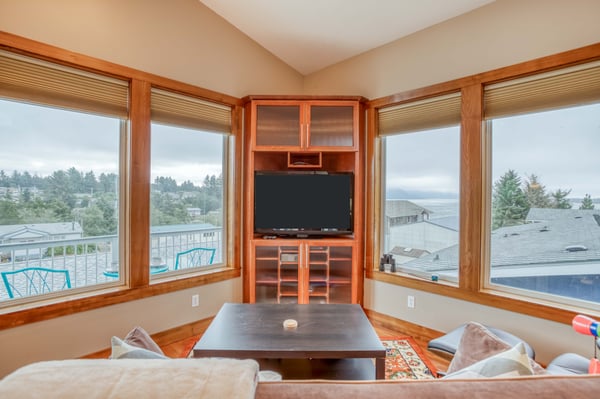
pixel 41 140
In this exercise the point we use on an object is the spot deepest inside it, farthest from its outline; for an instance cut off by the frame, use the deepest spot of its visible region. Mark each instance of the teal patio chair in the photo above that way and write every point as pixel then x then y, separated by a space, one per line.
pixel 35 281
pixel 154 269
pixel 195 257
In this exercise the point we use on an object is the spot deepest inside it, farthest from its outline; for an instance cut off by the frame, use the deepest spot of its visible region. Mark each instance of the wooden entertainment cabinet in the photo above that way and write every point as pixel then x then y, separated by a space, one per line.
pixel 304 133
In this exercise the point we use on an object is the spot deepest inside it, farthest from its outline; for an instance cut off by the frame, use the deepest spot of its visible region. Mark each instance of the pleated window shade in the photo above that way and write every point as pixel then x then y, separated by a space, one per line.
pixel 567 87
pixel 31 80
pixel 431 113
pixel 179 110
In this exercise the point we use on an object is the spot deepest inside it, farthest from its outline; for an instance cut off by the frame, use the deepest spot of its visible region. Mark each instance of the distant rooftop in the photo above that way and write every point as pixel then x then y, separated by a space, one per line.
pixel 568 239
pixel 399 208
pixel 37 230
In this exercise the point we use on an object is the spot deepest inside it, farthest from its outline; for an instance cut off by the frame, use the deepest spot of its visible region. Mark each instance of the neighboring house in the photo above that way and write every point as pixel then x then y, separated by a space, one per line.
pixel 411 234
pixel 27 233
pixel 194 212
pixel 400 212
pixel 555 251
pixel 15 233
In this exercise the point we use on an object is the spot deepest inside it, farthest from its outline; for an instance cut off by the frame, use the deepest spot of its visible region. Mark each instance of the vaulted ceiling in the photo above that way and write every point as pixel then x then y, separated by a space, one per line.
pixel 310 35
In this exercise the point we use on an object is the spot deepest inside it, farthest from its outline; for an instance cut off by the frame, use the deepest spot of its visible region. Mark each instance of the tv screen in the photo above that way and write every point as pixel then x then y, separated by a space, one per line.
pixel 303 203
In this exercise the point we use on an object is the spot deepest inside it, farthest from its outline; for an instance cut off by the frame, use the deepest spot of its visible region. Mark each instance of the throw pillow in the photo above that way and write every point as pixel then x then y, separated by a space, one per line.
pixel 478 343
pixel 511 363
pixel 122 350
pixel 140 338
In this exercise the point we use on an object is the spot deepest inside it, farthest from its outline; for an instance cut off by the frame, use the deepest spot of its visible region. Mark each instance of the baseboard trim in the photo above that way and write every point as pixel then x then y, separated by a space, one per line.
pixel 423 333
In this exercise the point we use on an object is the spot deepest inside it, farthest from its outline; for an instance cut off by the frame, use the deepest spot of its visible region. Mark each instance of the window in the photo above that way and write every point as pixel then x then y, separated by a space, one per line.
pixel 62 134
pixel 421 169
pixel 189 168
pixel 543 133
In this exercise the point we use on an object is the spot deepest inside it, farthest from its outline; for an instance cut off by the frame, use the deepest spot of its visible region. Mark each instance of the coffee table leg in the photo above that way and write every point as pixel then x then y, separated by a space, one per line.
pixel 380 368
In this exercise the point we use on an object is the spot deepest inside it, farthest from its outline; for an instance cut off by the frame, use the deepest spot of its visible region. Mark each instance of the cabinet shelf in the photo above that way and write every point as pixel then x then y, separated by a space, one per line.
pixel 312 274
pixel 267 279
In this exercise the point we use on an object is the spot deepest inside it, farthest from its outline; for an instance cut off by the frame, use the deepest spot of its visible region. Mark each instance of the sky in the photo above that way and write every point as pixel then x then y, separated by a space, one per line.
pixel 560 147
pixel 42 140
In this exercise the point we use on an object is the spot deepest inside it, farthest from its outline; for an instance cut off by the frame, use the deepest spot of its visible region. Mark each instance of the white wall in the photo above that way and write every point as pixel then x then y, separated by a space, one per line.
pixel 178 39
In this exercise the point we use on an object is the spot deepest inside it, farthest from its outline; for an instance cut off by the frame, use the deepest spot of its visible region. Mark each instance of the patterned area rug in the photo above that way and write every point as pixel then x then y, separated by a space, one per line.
pixel 405 360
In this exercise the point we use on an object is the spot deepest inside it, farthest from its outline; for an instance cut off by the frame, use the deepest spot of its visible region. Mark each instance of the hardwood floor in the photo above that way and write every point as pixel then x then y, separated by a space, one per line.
pixel 178 342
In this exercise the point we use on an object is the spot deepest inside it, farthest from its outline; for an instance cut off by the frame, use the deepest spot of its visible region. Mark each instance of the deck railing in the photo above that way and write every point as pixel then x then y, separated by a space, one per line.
pixel 87 259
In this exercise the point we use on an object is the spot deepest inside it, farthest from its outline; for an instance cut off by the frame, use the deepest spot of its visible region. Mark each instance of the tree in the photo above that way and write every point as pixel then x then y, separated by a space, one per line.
pixel 90 184
pixel 587 203
pixel 509 205
pixel 535 193
pixel 165 184
pixel 59 189
pixel 3 179
pixel 75 180
pixel 108 182
pixel 188 186
pixel 9 212
pixel 559 199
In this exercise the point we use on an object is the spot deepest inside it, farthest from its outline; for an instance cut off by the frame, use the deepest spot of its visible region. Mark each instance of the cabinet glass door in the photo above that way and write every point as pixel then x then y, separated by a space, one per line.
pixel 331 126
pixel 278 125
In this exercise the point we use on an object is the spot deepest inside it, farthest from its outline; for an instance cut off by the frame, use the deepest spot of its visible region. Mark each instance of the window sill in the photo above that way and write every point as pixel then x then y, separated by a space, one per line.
pixel 510 302
pixel 21 314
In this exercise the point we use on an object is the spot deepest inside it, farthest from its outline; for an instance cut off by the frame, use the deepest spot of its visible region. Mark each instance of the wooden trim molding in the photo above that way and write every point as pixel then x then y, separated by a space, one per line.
pixel 136 200
pixel 392 323
pixel 470 193
pixel 472 222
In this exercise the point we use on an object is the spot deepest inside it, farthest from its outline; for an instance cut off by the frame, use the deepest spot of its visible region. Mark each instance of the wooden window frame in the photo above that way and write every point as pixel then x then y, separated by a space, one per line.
pixel 472 222
pixel 137 218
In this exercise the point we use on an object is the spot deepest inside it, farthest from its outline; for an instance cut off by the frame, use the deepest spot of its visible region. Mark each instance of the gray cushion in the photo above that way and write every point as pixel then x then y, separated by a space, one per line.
pixel 568 364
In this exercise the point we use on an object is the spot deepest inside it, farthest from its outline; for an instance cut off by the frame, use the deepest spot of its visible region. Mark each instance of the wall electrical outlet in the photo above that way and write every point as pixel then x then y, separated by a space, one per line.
pixel 195 300
pixel 410 302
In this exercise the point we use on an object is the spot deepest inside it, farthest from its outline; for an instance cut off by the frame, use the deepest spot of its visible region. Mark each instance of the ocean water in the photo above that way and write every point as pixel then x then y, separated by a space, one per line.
pixel 444 207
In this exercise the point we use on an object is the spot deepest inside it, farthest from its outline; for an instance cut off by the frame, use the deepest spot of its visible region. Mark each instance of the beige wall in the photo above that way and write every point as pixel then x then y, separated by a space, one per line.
pixel 440 313
pixel 183 40
pixel 88 332
pixel 502 33
pixel 179 39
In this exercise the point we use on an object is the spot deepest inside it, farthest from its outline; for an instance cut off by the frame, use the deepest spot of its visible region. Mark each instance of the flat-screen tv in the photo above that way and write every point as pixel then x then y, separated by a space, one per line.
pixel 303 204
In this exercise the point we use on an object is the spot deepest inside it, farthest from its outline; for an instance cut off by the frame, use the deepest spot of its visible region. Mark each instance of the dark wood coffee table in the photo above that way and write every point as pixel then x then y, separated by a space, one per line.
pixel 332 341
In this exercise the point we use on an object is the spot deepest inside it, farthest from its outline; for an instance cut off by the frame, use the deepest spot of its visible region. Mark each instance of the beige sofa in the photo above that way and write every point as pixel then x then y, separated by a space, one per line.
pixel 229 378
pixel 538 387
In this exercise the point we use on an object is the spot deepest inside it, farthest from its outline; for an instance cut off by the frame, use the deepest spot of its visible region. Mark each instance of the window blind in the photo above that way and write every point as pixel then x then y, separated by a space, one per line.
pixel 567 87
pixel 176 109
pixel 431 113
pixel 28 79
